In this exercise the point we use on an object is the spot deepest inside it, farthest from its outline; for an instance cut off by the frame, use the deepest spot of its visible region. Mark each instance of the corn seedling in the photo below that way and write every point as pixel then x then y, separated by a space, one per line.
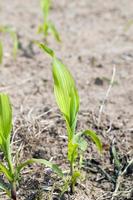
pixel 13 35
pixel 47 26
pixel 10 170
pixel 67 98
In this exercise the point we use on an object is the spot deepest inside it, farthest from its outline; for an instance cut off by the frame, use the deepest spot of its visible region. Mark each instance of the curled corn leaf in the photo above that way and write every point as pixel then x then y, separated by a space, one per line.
pixel 92 134
pixel 54 167
pixel 65 90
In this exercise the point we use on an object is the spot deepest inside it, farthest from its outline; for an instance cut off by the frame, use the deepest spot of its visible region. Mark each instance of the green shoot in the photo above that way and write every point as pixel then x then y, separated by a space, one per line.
pixel 13 35
pixel 47 26
pixel 67 98
pixel 12 172
pixel 1 52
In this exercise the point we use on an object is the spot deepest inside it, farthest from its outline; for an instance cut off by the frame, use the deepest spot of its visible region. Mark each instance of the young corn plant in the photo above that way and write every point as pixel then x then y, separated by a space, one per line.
pixel 67 98
pixel 10 170
pixel 47 26
pixel 4 30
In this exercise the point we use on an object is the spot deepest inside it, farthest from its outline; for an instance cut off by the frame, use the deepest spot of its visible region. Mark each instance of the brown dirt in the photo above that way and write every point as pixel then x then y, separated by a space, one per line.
pixel 94 40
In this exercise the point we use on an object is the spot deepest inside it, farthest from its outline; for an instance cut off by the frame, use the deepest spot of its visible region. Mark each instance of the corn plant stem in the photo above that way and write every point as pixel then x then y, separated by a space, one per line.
pixel 13 191
pixel 11 168
pixel 8 157
pixel 71 174
pixel 13 183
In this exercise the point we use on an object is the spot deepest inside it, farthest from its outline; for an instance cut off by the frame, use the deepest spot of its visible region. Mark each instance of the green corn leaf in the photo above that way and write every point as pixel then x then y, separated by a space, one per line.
pixel 45 6
pixel 72 151
pixel 46 49
pixel 54 31
pixel 66 94
pixel 5 118
pixel 65 91
pixel 1 52
pixel 6 172
pixel 73 145
pixel 82 144
pixel 48 26
pixel 92 134
pixel 74 107
pixel 49 164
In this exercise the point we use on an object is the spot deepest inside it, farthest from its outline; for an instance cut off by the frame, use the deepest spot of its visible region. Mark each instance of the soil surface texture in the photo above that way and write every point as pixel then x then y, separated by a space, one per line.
pixel 97 47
